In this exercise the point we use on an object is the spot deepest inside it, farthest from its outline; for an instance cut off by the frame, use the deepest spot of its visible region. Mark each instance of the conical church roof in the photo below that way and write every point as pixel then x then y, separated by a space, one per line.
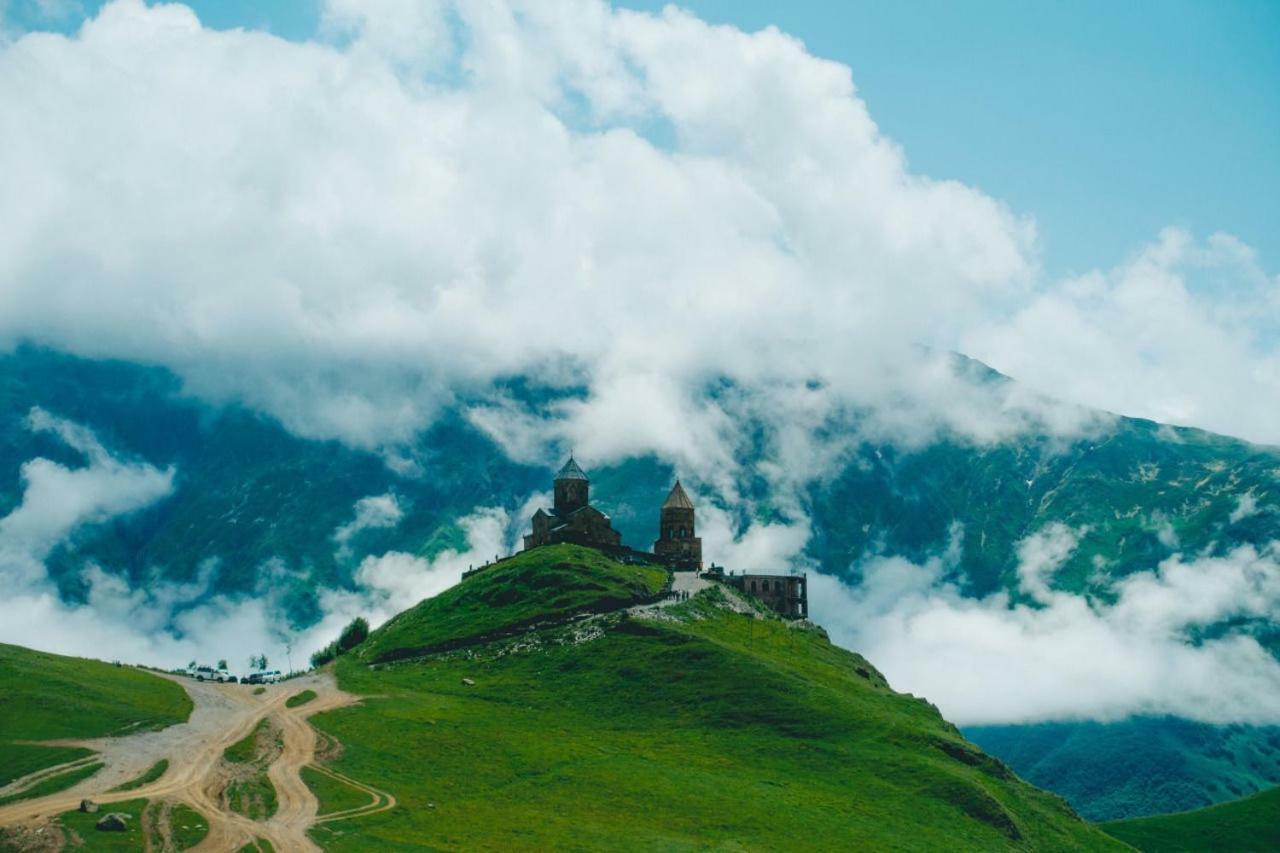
pixel 677 499
pixel 571 471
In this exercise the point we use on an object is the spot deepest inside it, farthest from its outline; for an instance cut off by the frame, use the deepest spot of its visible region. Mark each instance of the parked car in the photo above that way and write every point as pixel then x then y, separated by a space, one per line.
pixel 208 673
pixel 253 678
pixel 271 677
pixel 204 673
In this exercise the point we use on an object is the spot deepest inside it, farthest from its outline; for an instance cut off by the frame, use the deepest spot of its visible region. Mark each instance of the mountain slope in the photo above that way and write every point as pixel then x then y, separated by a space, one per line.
pixel 255 510
pixel 1242 826
pixel 549 585
pixel 248 493
pixel 683 726
pixel 45 697
pixel 1141 766
pixel 1140 492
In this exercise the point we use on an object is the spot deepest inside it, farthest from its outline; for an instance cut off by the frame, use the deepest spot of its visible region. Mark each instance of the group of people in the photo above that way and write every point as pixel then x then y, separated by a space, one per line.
pixel 677 595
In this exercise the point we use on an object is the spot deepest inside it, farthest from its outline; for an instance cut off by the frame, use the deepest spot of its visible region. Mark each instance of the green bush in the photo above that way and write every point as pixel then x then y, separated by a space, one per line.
pixel 353 635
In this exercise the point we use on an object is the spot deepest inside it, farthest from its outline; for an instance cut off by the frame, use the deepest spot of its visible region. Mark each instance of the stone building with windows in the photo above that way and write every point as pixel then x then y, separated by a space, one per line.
pixel 786 595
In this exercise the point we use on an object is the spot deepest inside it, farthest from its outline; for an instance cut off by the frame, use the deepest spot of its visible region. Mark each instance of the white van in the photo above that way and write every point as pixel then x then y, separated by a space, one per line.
pixel 205 673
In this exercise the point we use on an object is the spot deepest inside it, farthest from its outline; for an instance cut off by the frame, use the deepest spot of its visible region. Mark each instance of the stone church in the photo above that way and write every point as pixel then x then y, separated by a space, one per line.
pixel 572 518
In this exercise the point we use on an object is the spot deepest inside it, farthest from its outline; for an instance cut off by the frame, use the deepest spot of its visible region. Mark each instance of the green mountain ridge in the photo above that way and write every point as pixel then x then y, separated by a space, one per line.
pixel 684 727
pixel 1250 825
pixel 546 702
pixel 255 509
pixel 1140 766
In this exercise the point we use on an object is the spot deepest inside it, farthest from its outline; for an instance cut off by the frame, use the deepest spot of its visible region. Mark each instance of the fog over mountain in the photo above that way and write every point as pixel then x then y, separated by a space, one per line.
pixel 639 236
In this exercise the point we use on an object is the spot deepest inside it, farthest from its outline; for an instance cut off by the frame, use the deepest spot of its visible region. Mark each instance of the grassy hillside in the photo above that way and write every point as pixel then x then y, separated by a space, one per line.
pixel 250 791
pixel 250 494
pixel 1243 826
pixel 45 696
pixel 697 726
pixel 237 497
pixel 550 583
pixel 1142 766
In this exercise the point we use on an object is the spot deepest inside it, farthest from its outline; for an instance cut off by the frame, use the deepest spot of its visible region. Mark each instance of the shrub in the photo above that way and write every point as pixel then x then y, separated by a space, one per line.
pixel 352 635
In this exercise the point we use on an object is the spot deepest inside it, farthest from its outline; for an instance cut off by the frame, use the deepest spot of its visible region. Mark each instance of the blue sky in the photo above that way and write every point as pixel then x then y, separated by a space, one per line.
pixel 1105 121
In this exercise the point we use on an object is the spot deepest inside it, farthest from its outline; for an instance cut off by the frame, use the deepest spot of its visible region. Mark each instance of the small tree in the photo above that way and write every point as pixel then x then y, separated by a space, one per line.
pixel 262 663
pixel 353 635
pixel 191 665
pixel 222 663
pixel 323 656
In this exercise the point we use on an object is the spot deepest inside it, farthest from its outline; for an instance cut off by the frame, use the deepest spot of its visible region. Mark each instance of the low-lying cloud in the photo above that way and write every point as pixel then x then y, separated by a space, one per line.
pixel 376 512
pixel 1179 639
pixel 166 623
pixel 342 233
pixel 56 499
pixel 1185 332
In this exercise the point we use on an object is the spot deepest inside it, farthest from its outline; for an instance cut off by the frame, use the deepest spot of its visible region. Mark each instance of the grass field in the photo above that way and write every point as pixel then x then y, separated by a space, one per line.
pixel 54 784
pixel 712 729
pixel 45 696
pixel 19 759
pixel 549 584
pixel 81 825
pixel 188 827
pixel 1242 826
pixel 333 794
pixel 250 792
pixel 155 772
pixel 300 698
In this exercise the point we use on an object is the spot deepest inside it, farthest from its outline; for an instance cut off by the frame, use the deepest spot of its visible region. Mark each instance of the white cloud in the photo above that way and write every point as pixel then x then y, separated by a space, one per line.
pixel 1186 332
pixel 345 235
pixel 1152 650
pixel 56 499
pixel 167 623
pixel 376 512
pixel 1246 506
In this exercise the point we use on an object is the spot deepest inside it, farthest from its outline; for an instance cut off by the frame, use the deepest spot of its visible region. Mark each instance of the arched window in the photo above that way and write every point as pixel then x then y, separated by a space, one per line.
pixel 753 586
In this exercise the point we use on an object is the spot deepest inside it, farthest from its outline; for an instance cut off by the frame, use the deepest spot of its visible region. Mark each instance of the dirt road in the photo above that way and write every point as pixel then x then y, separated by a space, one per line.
pixel 223 715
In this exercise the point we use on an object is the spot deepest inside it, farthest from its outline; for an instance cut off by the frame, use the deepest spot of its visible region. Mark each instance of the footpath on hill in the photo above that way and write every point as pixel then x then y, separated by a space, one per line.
pixel 196 776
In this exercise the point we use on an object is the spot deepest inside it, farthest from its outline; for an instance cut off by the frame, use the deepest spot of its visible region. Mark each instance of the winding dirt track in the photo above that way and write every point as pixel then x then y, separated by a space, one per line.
pixel 224 714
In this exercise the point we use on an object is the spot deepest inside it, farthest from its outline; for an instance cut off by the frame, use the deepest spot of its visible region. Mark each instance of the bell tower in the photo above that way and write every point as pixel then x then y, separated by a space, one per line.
pixel 571 488
pixel 677 544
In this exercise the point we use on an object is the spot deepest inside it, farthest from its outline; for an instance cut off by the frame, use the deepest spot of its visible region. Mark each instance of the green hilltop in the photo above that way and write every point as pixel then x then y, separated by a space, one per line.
pixel 548 585
pixel 542 703
pixel 1242 826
